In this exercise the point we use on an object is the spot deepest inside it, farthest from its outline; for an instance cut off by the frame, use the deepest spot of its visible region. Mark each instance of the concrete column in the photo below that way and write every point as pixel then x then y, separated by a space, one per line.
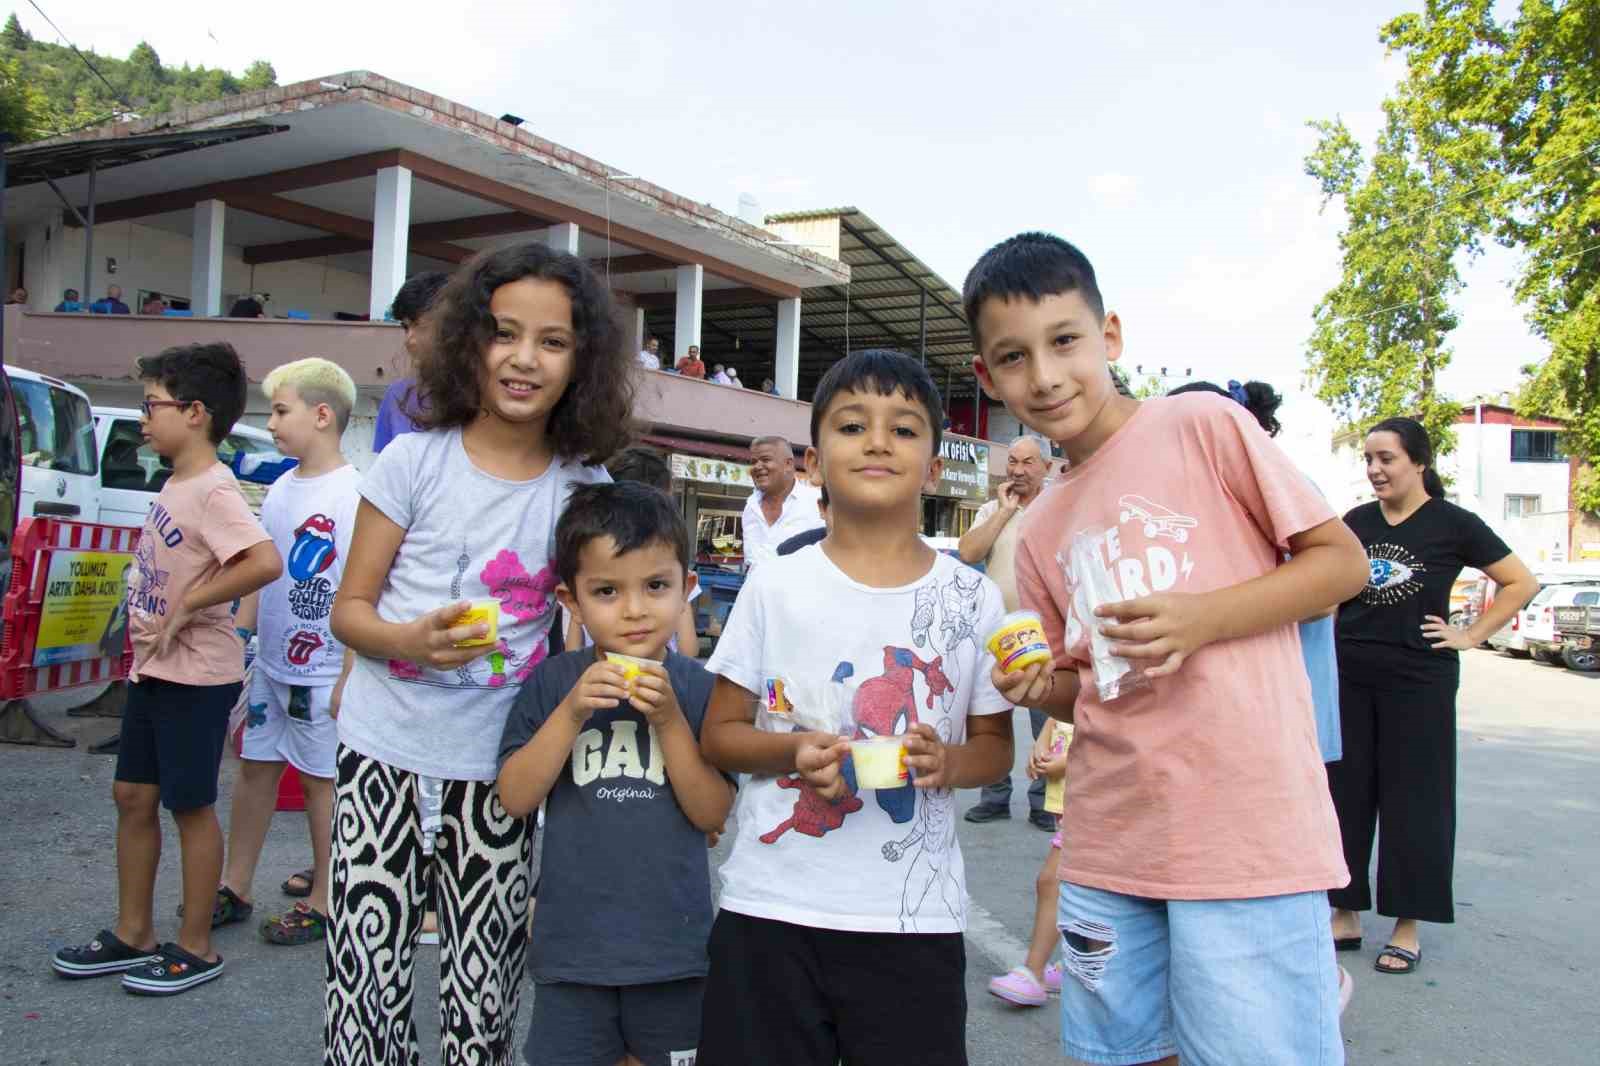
pixel 563 237
pixel 391 231
pixel 205 271
pixel 787 351
pixel 686 327
pixel 638 329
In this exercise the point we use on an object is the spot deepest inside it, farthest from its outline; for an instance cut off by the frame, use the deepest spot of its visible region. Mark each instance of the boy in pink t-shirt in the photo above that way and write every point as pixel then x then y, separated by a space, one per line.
pixel 1199 839
pixel 199 552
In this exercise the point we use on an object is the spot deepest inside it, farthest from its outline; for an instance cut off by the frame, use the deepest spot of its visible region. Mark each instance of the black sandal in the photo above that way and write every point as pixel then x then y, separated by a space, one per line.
pixel 1412 959
pixel 1347 943
pixel 292 889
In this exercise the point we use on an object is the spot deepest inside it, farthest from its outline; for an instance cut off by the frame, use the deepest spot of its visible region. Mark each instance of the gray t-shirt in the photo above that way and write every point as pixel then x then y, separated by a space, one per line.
pixel 468 536
pixel 625 883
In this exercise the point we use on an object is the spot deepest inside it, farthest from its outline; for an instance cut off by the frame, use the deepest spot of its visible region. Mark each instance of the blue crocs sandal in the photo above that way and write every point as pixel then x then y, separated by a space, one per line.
pixel 103 955
pixel 171 971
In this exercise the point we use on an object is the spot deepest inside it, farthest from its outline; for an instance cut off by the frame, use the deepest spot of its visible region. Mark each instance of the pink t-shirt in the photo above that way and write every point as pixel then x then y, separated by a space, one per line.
pixel 195 527
pixel 1206 784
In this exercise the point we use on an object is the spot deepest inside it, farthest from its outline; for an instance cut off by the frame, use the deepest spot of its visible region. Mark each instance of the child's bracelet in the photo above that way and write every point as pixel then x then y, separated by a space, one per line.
pixel 244 634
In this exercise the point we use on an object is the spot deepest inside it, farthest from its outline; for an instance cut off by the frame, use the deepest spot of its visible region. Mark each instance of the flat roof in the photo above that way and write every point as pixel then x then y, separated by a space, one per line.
pixel 306 192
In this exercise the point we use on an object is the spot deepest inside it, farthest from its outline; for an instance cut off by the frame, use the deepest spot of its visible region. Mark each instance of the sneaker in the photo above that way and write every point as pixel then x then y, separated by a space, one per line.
pixel 1052 978
pixel 170 971
pixel 100 956
pixel 987 812
pixel 1019 987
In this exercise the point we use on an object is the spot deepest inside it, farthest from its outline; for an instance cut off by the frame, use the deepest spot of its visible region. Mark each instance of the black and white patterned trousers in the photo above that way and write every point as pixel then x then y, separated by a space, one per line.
pixel 481 868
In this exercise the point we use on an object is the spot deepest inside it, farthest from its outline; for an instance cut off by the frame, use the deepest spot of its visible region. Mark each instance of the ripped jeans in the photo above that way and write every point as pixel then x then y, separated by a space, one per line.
pixel 1241 982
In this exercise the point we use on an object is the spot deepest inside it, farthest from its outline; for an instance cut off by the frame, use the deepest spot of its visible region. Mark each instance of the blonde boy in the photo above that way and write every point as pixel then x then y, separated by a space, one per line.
pixel 310 514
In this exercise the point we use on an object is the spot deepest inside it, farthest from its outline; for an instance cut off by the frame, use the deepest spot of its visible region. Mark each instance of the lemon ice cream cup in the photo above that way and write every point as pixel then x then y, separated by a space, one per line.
pixel 880 762
pixel 631 665
pixel 1019 642
pixel 481 612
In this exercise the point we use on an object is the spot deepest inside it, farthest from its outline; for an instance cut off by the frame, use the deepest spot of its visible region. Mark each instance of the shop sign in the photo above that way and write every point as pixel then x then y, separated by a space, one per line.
pixel 965 475
pixel 962 450
pixel 714 471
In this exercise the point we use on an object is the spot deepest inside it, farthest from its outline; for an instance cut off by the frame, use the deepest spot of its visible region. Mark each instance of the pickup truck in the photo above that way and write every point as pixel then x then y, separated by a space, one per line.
pixel 1579 627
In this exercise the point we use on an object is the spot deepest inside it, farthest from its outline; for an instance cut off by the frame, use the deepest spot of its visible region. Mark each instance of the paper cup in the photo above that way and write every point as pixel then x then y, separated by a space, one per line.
pixel 880 762
pixel 478 613
pixel 1019 642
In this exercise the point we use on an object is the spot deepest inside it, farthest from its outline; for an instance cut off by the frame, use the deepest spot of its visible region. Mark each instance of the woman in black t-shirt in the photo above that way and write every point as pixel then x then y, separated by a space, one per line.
pixel 1398 673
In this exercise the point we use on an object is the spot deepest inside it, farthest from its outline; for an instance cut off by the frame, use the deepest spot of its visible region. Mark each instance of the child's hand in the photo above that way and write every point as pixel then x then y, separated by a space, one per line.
pixel 433 637
pixel 1035 766
pixel 176 621
pixel 600 688
pixel 820 761
pixel 1158 632
pixel 654 698
pixel 925 755
pixel 1028 687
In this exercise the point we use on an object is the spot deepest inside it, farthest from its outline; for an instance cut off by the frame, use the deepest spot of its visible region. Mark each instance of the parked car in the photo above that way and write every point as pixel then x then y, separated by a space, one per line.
pixel 1532 630
pixel 131 474
pixel 60 472
pixel 1579 626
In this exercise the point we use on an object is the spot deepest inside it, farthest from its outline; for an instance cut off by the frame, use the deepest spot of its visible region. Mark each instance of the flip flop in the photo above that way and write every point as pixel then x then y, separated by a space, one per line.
pixel 1347 943
pixel 291 889
pixel 1412 959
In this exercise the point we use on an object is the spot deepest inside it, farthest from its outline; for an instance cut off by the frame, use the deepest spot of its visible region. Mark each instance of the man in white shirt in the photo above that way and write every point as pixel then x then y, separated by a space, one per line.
pixel 650 356
pixel 993 541
pixel 780 507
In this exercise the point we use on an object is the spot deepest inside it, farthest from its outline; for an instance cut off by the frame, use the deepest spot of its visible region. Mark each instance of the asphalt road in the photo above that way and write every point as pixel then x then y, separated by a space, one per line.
pixel 1506 984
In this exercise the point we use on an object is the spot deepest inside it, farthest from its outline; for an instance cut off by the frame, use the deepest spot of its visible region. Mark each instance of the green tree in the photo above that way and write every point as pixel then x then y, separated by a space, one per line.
pixel 14 36
pixel 22 108
pixel 258 75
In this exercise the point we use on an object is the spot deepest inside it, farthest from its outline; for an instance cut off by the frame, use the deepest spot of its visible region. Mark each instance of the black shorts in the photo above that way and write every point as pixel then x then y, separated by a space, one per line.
pixel 789 995
pixel 596 1025
pixel 172 736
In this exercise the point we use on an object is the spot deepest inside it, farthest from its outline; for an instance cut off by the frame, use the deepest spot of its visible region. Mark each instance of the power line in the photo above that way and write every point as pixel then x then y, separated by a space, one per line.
pixel 93 69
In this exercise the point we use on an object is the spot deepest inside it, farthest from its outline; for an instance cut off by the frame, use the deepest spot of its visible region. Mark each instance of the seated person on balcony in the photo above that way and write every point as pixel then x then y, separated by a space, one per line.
pixel 650 356
pixel 69 302
pixel 19 295
pixel 154 304
pixel 247 307
pixel 111 303
pixel 690 365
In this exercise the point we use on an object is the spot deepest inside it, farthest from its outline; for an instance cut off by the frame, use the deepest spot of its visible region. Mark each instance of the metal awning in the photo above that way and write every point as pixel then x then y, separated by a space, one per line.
pixel 55 161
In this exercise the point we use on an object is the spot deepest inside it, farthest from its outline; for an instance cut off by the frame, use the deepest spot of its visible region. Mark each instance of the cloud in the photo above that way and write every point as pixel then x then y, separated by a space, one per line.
pixel 1112 191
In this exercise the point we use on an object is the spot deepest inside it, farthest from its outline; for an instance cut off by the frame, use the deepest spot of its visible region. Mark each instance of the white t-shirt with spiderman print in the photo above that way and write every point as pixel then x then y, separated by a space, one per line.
pixel 469 535
pixel 878 861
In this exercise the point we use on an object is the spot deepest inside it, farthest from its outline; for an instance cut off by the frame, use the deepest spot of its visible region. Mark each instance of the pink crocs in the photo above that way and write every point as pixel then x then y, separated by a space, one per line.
pixel 1019 987
pixel 1052 977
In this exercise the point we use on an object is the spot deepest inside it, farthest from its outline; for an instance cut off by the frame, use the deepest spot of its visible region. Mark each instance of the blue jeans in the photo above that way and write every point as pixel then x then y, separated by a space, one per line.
pixel 1230 982
pixel 999 793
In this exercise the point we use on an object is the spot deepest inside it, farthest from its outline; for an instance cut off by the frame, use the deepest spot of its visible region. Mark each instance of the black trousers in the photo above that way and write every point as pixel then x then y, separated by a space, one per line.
pixel 1398 777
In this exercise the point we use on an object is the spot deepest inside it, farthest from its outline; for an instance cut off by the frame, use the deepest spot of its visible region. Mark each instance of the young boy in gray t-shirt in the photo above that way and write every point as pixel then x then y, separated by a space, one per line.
pixel 608 739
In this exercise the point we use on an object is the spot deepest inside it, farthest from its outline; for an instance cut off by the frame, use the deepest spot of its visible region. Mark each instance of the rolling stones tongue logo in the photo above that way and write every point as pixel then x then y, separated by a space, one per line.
pixel 302 646
pixel 313 550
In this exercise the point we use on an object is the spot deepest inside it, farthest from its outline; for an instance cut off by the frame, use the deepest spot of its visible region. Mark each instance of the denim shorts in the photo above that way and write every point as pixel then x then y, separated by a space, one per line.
pixel 1236 982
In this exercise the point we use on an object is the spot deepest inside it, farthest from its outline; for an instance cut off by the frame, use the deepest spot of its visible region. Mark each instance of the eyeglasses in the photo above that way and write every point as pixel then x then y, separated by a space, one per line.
pixel 149 406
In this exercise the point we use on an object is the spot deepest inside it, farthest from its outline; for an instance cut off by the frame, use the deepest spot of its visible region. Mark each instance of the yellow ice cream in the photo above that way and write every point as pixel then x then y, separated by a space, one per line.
pixel 481 612
pixel 880 762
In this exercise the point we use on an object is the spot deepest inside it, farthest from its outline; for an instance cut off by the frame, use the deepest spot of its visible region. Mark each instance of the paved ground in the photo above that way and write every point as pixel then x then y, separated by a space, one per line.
pixel 1504 985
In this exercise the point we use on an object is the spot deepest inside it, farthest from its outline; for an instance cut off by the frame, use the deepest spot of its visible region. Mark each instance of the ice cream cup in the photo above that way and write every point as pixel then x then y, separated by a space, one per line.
pixel 631 665
pixel 1019 642
pixel 880 762
pixel 481 612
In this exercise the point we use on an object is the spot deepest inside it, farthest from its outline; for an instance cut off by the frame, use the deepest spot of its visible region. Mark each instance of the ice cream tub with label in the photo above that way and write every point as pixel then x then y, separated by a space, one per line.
pixel 880 762
pixel 480 612
pixel 1019 642
pixel 631 665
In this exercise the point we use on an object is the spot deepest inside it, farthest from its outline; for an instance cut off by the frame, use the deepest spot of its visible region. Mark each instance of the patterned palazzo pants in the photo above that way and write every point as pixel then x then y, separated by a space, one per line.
pixel 481 872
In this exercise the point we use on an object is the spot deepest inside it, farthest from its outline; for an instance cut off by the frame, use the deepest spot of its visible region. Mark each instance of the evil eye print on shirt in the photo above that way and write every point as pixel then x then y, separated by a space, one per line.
pixel 1394 575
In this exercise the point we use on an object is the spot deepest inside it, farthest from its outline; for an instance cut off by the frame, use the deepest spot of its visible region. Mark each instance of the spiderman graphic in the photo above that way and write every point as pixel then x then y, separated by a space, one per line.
pixel 884 706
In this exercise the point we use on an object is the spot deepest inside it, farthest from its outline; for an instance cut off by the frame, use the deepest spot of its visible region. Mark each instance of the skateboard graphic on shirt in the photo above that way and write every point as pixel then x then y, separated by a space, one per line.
pixel 1158 521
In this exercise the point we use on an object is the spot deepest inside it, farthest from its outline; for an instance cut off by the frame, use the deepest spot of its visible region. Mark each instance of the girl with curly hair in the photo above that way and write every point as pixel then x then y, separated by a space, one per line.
pixel 523 388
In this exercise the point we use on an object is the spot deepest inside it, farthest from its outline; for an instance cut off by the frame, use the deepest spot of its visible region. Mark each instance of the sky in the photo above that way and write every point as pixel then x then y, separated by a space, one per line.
pixel 1165 139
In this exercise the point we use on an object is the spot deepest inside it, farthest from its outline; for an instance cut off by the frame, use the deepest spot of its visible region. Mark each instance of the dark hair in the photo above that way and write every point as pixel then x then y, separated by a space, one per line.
pixel 886 372
pixel 823 498
pixel 633 515
pixel 417 295
pixel 593 419
pixel 643 465
pixel 1257 397
pixel 1033 265
pixel 1414 439
pixel 210 373
pixel 245 307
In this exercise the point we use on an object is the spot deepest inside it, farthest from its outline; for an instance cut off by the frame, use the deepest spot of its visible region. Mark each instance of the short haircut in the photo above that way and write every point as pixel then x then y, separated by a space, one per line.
pixel 645 466
pixel 633 515
pixel 1030 265
pixel 416 295
pixel 781 442
pixel 885 372
pixel 210 373
pixel 317 381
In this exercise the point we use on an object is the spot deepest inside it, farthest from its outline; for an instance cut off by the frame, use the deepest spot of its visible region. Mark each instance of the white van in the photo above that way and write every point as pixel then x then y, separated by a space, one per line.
pixel 131 474
pixel 60 463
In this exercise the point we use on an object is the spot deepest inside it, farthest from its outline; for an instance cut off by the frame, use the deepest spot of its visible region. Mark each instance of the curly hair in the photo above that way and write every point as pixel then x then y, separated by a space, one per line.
pixel 593 419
